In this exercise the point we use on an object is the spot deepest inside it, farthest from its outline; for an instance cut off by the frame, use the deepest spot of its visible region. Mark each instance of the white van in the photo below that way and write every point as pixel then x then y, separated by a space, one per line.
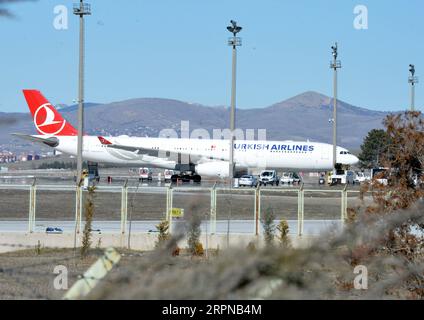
pixel 269 177
pixel 362 177
pixel 381 175
pixel 343 177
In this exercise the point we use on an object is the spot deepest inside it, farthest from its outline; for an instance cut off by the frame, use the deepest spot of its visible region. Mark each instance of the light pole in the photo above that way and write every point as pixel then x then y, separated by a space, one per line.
pixel 81 9
pixel 335 64
pixel 412 80
pixel 234 42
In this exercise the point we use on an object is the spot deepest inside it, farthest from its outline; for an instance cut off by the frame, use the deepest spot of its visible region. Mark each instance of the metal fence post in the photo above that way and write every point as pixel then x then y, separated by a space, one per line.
pixel 257 211
pixel 213 210
pixel 124 207
pixel 344 205
pixel 169 204
pixel 78 208
pixel 300 210
pixel 32 206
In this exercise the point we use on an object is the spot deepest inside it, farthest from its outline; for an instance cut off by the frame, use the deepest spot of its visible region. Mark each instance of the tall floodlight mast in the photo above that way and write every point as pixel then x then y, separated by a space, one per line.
pixel 81 9
pixel 335 64
pixel 234 42
pixel 413 80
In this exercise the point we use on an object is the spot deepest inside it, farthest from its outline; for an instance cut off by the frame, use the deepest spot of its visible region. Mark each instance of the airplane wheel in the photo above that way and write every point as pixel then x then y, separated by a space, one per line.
pixel 197 178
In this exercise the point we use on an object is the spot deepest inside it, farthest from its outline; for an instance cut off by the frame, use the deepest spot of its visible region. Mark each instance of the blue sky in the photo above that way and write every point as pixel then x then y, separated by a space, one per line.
pixel 178 49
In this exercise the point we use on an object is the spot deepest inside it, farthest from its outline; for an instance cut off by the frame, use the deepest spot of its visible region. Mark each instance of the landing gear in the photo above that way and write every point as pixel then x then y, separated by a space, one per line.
pixel 186 177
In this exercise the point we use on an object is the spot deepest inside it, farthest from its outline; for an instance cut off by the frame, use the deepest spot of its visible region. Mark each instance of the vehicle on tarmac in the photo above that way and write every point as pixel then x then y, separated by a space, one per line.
pixel 145 174
pixel 167 175
pixel 93 172
pixel 248 181
pixel 290 178
pixel 269 177
pixel 380 175
pixel 362 177
pixel 51 230
pixel 342 176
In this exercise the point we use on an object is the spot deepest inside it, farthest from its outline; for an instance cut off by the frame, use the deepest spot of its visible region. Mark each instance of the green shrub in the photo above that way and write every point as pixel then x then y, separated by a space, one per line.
pixel 269 226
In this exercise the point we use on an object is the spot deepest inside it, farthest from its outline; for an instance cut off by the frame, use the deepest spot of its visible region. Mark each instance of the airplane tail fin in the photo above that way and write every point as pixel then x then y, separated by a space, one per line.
pixel 47 120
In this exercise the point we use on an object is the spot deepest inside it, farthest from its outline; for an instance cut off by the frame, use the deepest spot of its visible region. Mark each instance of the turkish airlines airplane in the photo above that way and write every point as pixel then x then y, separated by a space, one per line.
pixel 196 156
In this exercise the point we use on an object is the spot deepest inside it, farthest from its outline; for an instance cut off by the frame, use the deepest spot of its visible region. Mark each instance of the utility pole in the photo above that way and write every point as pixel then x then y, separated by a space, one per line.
pixel 81 9
pixel 335 64
pixel 412 80
pixel 233 42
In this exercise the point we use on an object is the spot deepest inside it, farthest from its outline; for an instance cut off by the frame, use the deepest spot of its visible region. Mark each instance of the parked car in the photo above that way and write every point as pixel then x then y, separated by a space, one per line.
pixel 269 177
pixel 362 177
pixel 167 175
pixel 52 230
pixel 381 175
pixel 248 181
pixel 290 178
pixel 145 174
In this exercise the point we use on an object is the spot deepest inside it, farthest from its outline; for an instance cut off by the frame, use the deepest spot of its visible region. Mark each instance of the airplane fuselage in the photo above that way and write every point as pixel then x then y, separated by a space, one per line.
pixel 247 154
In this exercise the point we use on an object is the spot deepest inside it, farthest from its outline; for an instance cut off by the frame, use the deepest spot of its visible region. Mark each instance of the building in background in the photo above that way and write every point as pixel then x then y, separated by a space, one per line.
pixel 7 157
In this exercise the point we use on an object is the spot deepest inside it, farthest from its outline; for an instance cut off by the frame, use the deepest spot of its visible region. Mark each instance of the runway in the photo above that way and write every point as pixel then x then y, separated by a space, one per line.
pixel 311 227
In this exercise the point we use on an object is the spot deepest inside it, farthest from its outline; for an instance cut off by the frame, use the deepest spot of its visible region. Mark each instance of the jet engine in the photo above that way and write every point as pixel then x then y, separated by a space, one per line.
pixel 220 169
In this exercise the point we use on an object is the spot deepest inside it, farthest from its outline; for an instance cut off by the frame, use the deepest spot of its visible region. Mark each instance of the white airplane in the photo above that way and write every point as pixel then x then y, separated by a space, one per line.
pixel 196 156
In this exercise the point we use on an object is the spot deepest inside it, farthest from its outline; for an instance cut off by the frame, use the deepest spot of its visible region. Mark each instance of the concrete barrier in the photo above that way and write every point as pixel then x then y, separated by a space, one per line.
pixel 139 241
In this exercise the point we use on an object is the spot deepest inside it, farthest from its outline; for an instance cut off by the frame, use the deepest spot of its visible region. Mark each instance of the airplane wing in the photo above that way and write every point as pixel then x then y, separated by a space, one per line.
pixel 154 153
pixel 136 150
pixel 51 141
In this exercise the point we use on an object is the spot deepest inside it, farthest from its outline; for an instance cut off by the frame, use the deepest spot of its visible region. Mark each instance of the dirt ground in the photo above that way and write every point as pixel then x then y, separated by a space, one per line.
pixel 30 274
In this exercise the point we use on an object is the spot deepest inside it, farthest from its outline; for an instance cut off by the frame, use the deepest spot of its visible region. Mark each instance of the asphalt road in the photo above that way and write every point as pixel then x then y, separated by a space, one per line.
pixel 311 227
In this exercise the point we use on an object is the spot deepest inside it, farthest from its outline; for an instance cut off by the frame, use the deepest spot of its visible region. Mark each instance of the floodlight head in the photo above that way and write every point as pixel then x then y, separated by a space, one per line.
pixel 412 69
pixel 335 53
pixel 234 28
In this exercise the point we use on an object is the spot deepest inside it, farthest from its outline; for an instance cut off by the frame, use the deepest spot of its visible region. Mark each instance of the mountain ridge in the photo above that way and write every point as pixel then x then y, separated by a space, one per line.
pixel 302 117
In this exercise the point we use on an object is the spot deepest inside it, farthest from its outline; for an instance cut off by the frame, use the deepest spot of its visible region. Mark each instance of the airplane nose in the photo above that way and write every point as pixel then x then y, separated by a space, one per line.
pixel 355 160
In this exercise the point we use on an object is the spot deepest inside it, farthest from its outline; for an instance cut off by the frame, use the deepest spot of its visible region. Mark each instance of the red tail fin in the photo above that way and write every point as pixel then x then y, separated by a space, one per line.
pixel 46 118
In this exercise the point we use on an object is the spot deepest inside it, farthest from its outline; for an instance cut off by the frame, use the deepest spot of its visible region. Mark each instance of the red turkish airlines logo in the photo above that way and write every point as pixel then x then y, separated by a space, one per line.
pixel 44 120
